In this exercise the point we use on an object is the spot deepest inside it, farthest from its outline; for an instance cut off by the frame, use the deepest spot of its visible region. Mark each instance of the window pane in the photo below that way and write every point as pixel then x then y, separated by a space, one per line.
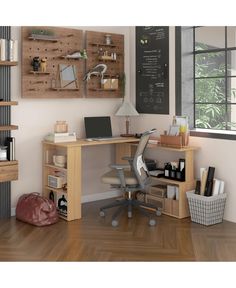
pixel 231 115
pixel 209 37
pixel 231 65
pixel 210 116
pixel 231 36
pixel 231 93
pixel 210 64
pixel 210 90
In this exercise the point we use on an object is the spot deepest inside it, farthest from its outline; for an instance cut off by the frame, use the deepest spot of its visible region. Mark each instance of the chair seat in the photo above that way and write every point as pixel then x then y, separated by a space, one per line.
pixel 111 177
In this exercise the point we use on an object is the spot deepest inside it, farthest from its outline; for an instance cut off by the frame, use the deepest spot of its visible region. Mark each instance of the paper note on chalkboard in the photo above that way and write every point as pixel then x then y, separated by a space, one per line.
pixel 152 69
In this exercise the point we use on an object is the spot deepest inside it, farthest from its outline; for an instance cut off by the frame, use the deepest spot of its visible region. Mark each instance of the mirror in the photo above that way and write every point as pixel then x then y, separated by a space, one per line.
pixel 68 76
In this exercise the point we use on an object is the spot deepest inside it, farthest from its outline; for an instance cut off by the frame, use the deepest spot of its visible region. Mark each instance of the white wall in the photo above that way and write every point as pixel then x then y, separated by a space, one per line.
pixel 36 118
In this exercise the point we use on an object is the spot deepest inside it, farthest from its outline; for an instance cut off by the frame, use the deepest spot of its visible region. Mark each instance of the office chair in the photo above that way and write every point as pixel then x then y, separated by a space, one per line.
pixel 129 182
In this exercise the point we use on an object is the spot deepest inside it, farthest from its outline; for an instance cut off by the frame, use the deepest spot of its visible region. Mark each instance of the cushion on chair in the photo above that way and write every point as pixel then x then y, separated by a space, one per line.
pixel 111 177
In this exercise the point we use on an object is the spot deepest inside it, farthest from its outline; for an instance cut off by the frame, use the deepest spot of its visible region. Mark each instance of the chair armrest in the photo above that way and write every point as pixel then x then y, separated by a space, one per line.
pixel 120 166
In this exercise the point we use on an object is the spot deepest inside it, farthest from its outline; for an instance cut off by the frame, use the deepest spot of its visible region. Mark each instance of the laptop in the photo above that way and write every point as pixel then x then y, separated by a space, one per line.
pixel 98 128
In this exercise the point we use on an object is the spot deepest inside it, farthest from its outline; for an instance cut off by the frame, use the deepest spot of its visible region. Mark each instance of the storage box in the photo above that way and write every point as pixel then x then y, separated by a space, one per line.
pixel 206 210
pixel 173 141
pixel 158 190
pixel 106 84
pixel 156 201
pixel 114 84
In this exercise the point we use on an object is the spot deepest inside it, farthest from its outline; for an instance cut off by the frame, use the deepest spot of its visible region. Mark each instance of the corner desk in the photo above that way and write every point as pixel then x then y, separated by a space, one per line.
pixel 73 171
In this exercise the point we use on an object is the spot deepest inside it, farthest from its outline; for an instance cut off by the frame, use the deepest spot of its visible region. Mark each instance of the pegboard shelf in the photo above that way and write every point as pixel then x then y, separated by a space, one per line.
pixel 43 38
pixel 102 90
pixel 102 44
pixel 39 73
pixel 65 89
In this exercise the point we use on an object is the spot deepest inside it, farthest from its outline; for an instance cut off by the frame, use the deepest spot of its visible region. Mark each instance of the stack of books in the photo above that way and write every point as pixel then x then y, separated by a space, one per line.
pixel 8 50
pixel 208 185
pixel 60 137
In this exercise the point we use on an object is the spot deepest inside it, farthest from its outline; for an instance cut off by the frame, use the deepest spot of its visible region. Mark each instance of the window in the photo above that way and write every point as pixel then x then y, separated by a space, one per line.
pixel 215 78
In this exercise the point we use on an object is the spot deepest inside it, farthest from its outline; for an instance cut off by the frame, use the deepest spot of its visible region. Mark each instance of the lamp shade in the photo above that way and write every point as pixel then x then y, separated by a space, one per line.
pixel 126 109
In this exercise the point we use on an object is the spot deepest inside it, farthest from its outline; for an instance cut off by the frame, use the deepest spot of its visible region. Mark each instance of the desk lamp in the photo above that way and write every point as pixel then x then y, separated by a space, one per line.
pixel 127 110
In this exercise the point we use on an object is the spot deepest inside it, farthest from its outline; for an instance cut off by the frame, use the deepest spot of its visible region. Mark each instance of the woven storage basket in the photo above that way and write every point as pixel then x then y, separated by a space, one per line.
pixel 206 210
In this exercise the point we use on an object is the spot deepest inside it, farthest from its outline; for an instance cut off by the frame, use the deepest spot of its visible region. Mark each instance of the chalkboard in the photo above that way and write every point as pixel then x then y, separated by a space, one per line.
pixel 152 69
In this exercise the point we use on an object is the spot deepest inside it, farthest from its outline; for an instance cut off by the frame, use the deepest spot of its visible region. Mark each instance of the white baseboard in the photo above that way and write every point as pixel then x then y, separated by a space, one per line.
pixel 89 198
pixel 100 196
pixel 13 211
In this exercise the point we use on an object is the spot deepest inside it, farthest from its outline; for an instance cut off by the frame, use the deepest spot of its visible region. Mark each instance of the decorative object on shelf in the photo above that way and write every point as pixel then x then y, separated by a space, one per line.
pixel 77 55
pixel 97 70
pixel 3 153
pixel 59 160
pixel 61 127
pixel 35 63
pixel 68 76
pixel 127 110
pixel 43 64
pixel 108 40
pixel 62 204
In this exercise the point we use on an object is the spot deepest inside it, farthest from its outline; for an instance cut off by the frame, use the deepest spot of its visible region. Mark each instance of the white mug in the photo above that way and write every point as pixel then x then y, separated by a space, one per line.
pixel 59 160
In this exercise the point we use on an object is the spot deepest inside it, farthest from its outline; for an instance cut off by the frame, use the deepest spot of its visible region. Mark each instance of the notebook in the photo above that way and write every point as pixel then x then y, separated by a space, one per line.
pixel 98 128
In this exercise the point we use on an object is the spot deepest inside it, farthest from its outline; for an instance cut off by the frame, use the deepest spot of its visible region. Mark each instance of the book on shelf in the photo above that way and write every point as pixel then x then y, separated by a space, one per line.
pixel 60 137
pixel 10 143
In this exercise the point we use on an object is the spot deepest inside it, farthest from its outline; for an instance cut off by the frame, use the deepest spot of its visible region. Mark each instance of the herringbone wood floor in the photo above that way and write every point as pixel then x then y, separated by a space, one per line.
pixel 93 239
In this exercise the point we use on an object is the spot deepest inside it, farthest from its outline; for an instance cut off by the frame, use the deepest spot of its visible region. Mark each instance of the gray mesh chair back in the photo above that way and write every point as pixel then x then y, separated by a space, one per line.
pixel 139 165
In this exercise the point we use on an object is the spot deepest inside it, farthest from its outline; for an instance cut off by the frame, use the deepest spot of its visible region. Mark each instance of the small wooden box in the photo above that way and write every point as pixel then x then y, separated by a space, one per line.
pixel 114 84
pixel 106 84
pixel 168 205
pixel 175 207
pixel 156 201
pixel 173 141
pixel 158 190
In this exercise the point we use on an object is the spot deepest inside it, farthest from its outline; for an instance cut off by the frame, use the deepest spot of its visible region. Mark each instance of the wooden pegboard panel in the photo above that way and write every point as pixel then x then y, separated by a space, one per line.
pixel 96 47
pixel 41 85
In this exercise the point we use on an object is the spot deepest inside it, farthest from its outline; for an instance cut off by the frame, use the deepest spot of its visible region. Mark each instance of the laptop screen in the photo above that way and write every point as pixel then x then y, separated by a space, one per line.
pixel 96 127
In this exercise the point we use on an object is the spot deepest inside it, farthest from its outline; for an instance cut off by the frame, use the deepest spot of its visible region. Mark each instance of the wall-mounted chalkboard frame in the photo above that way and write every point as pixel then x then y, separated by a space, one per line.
pixel 152 69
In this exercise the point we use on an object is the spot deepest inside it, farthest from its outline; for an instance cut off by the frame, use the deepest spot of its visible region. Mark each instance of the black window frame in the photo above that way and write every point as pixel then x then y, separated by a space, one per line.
pixel 211 132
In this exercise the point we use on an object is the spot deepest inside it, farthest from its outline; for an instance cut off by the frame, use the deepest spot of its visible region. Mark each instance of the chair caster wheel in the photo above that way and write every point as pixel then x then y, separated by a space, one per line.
pixel 152 222
pixel 158 212
pixel 102 213
pixel 114 223
pixel 129 214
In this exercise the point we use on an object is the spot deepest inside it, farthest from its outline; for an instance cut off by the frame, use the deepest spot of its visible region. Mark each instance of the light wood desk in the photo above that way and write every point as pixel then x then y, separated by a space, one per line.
pixel 73 171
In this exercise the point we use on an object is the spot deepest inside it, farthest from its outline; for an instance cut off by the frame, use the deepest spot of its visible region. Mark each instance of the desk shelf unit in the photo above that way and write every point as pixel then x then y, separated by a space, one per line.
pixel 69 173
pixel 177 208
pixel 73 171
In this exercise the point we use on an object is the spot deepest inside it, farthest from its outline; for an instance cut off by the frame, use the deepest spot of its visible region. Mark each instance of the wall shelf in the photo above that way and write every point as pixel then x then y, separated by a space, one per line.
pixel 65 89
pixel 8 127
pixel 57 190
pixel 8 63
pixel 8 103
pixel 8 163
